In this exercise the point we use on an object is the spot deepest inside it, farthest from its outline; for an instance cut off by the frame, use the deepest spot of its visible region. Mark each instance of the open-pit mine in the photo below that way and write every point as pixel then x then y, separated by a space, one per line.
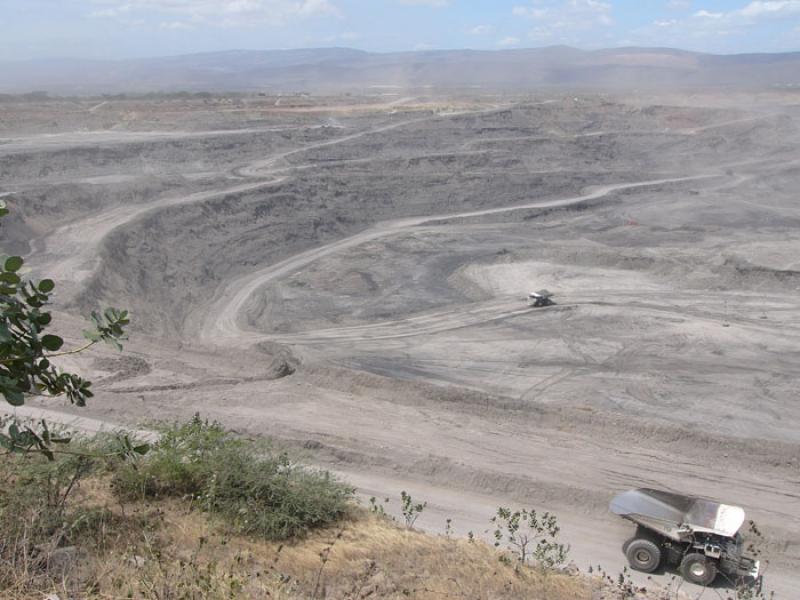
pixel 349 275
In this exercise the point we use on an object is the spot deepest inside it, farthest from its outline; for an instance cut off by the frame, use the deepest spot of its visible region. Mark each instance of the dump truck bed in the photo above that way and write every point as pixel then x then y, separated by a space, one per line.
pixel 677 516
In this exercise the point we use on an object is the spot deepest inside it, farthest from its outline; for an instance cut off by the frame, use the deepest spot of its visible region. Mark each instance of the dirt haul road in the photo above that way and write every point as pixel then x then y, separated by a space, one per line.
pixel 422 367
pixel 69 252
pixel 224 320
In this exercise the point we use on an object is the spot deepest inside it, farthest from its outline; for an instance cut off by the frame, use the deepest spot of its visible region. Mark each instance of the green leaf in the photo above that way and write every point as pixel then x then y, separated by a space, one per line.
pixel 142 449
pixel 92 336
pixel 10 278
pixel 13 263
pixel 25 346
pixel 13 397
pixel 52 342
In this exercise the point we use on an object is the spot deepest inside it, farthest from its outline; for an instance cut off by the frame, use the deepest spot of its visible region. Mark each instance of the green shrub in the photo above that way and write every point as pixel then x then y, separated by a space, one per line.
pixel 532 536
pixel 180 464
pixel 254 490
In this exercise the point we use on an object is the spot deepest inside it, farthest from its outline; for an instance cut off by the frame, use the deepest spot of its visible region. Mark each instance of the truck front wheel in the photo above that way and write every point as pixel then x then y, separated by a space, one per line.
pixel 699 569
pixel 643 555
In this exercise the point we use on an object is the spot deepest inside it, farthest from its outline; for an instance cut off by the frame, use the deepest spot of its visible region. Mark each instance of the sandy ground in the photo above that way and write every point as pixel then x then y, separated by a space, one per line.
pixel 386 262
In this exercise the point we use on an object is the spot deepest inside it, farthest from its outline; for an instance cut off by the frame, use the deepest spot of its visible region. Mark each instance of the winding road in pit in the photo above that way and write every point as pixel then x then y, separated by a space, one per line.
pixel 70 253
pixel 223 320
pixel 223 323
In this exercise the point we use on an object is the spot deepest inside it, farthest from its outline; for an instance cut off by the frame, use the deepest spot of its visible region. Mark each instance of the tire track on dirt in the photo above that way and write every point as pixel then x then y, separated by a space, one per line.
pixel 70 252
pixel 53 142
pixel 222 319
pixel 257 168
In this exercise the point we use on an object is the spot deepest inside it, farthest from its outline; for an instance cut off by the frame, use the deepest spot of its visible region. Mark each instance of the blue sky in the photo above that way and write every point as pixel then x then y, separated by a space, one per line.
pixel 136 28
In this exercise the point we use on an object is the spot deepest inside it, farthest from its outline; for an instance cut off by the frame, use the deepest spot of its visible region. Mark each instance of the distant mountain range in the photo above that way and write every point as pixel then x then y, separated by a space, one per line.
pixel 342 69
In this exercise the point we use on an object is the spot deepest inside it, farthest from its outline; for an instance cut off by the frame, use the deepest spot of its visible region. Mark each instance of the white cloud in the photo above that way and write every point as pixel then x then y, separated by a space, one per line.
pixel 771 8
pixel 312 7
pixel 707 27
pixel 557 19
pixel 530 11
pixel 217 12
pixel 754 11
pixel 481 30
pixel 704 14
pixel 508 42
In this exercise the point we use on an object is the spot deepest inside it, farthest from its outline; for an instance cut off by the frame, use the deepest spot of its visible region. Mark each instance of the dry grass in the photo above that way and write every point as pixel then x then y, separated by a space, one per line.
pixel 165 550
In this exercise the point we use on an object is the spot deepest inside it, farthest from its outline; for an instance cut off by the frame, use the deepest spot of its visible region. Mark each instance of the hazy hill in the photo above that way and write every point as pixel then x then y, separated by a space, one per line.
pixel 336 69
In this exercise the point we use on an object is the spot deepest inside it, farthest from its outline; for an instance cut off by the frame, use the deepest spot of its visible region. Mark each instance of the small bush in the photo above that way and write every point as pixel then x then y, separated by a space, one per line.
pixel 37 513
pixel 179 465
pixel 254 490
pixel 33 485
pixel 411 510
pixel 532 537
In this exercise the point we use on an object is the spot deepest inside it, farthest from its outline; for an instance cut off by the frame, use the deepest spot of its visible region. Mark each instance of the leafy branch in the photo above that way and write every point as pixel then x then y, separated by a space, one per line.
pixel 21 439
pixel 26 349
pixel 531 536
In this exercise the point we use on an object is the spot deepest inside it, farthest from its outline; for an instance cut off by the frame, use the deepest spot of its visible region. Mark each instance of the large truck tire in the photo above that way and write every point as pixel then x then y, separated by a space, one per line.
pixel 643 555
pixel 698 569
pixel 626 544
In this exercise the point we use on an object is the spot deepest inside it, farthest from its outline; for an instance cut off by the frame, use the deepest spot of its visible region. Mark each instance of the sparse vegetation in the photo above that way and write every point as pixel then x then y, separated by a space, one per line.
pixel 531 537
pixel 208 515
pixel 40 524
pixel 90 525
pixel 411 510
pixel 376 508
pixel 255 490
pixel 623 587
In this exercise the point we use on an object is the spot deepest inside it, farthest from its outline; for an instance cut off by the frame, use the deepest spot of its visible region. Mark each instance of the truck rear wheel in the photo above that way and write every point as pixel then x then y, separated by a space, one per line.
pixel 642 533
pixel 698 569
pixel 626 544
pixel 643 555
